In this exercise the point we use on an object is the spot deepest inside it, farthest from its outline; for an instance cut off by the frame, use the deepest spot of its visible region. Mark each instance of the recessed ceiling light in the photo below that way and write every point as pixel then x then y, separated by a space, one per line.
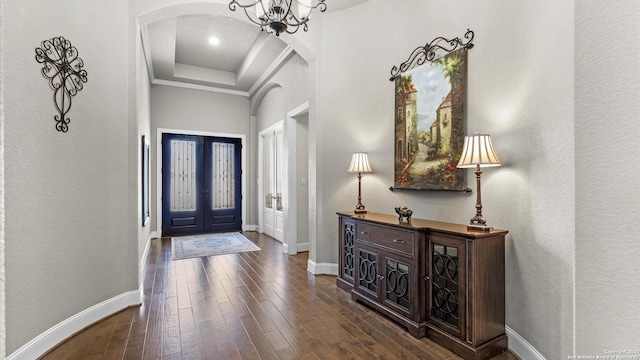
pixel 214 41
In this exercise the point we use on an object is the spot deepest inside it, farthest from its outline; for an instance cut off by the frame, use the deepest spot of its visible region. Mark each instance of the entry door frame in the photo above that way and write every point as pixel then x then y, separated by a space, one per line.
pixel 243 166
pixel 291 244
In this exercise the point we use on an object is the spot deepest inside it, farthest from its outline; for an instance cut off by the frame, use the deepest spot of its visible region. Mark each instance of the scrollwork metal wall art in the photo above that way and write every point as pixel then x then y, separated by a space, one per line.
pixel 428 52
pixel 63 68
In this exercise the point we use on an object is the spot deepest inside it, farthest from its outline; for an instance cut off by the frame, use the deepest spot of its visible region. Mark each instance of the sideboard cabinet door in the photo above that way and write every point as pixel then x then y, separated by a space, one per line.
pixel 347 262
pixel 368 274
pixel 465 294
pixel 446 290
pixel 387 272
pixel 399 284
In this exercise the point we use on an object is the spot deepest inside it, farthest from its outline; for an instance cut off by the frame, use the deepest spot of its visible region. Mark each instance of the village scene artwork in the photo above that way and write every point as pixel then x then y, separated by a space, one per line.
pixel 429 124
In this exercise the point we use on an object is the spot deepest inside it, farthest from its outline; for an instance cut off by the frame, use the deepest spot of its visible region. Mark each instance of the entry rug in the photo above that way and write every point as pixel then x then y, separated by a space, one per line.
pixel 185 247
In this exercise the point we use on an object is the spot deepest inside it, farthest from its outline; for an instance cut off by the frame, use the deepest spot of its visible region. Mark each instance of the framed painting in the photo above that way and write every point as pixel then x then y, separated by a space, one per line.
pixel 430 121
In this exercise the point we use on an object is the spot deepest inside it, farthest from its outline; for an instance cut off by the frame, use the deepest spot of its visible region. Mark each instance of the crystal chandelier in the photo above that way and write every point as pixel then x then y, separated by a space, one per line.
pixel 277 16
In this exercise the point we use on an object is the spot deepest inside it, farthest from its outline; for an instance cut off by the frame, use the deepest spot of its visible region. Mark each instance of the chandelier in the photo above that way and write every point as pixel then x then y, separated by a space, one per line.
pixel 277 16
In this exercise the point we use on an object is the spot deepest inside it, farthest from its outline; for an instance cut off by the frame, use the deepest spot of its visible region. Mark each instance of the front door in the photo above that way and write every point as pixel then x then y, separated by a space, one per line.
pixel 201 184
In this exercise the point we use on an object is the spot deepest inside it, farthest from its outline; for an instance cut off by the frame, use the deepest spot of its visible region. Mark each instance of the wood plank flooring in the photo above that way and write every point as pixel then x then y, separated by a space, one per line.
pixel 253 305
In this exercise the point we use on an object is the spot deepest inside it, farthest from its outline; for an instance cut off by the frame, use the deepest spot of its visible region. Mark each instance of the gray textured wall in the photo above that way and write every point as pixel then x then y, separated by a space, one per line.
pixel 69 236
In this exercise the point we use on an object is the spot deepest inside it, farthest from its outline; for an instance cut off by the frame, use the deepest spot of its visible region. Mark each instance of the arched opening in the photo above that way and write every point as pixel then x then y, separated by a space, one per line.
pixel 292 114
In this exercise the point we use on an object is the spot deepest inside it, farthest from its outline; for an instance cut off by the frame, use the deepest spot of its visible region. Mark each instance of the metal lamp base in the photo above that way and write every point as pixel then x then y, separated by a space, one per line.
pixel 479 227
pixel 360 208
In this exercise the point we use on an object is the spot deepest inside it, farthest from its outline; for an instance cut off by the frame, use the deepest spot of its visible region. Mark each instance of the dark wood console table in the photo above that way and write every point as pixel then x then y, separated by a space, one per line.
pixel 435 278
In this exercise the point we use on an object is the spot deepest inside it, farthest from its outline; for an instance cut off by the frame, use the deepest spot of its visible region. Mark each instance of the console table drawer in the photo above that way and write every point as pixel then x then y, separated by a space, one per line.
pixel 395 239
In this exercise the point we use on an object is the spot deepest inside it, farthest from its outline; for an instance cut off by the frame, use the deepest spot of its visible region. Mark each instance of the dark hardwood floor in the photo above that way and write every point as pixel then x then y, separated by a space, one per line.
pixel 253 305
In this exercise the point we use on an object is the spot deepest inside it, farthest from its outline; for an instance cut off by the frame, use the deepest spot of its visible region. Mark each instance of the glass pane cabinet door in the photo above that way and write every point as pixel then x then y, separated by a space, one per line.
pixel 445 284
pixel 446 288
pixel 349 244
pixel 368 272
pixel 397 285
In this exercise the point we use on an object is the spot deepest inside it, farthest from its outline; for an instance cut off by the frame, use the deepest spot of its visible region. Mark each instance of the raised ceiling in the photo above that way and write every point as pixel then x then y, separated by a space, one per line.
pixel 179 52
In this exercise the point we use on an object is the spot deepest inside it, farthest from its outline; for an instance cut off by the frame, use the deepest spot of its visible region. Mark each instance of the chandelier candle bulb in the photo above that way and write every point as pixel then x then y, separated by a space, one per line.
pixel 304 8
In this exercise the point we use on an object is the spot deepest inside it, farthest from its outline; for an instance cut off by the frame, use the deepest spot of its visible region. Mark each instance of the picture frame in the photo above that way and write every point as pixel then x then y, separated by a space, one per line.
pixel 145 154
pixel 429 98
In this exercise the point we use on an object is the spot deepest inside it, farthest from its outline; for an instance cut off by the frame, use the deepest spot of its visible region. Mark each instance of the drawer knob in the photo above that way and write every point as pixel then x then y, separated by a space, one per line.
pixel 398 241
pixel 365 233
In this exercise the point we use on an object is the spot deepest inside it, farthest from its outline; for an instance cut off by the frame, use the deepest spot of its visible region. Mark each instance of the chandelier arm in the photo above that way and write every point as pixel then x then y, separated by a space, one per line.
pixel 257 21
pixel 234 4
pixel 292 19
pixel 286 9
pixel 295 28
pixel 321 5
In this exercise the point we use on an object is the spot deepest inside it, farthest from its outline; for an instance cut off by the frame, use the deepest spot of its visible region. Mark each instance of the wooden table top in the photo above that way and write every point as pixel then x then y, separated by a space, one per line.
pixel 423 225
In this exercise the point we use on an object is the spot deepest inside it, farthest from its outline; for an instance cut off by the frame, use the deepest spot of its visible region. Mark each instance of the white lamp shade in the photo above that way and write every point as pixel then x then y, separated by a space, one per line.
pixel 478 150
pixel 360 163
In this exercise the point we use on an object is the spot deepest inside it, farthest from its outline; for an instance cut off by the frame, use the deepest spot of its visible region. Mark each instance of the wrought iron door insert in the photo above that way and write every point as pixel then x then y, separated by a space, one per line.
pixel 445 284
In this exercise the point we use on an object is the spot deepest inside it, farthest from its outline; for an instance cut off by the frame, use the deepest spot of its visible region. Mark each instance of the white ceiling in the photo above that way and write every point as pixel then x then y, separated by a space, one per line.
pixel 178 51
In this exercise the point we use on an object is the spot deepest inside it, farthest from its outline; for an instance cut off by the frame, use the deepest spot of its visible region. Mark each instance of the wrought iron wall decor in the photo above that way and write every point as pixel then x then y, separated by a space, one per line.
pixel 429 97
pixel 429 51
pixel 63 68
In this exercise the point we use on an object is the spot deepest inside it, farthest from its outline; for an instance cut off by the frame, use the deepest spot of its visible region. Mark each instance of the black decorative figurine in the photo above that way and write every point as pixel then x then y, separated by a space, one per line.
pixel 404 212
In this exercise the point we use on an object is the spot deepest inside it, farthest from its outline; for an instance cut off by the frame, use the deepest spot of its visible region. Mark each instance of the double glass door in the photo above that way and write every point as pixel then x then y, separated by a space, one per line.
pixel 201 184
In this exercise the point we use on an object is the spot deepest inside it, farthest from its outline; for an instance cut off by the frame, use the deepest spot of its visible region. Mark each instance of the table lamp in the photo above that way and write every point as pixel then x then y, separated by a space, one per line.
pixel 360 164
pixel 478 152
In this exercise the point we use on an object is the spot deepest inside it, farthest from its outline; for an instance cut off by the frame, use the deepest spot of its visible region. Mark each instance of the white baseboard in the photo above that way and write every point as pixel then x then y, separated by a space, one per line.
pixel 250 228
pixel 521 347
pixel 52 337
pixel 322 268
pixel 143 258
pixel 299 248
